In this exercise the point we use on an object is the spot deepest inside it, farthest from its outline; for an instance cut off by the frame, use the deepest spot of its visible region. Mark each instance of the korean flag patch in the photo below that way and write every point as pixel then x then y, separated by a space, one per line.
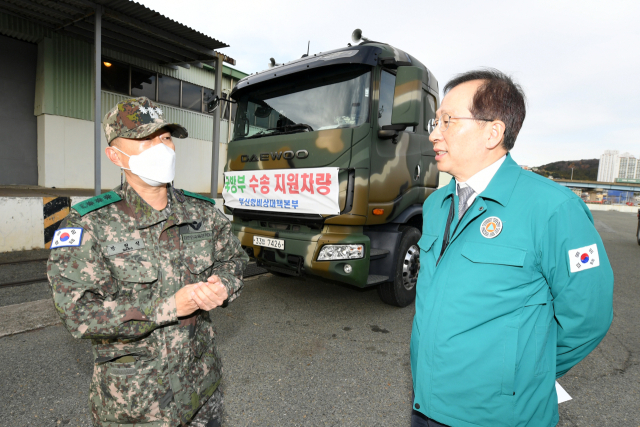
pixel 584 258
pixel 67 237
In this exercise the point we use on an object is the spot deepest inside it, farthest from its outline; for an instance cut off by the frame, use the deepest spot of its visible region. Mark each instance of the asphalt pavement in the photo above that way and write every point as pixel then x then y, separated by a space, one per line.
pixel 301 351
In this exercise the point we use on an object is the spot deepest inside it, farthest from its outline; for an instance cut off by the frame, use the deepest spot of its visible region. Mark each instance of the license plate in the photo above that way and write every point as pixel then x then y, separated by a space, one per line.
pixel 268 243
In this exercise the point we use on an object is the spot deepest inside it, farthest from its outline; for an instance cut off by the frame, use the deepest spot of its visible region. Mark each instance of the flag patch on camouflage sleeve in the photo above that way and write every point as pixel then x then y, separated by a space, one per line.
pixel 584 258
pixel 66 237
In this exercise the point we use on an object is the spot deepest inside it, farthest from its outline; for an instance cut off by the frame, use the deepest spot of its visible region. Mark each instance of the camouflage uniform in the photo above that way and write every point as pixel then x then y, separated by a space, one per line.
pixel 117 288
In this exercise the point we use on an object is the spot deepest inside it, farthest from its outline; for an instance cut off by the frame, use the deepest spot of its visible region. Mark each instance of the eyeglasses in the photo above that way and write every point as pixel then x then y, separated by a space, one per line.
pixel 445 120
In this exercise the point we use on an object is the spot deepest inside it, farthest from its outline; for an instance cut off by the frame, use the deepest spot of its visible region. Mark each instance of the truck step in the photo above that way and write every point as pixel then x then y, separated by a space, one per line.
pixel 374 279
pixel 378 253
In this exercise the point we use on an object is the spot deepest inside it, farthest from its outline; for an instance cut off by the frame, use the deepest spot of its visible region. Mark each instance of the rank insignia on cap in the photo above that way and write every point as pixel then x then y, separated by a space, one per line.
pixel 584 258
pixel 66 237
pixel 491 227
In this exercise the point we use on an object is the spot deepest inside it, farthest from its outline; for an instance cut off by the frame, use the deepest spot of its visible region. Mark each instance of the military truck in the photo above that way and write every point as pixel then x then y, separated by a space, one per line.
pixel 360 116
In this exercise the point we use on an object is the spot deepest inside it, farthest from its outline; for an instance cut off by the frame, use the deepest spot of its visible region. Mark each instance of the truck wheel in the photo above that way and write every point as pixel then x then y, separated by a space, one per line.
pixel 402 290
pixel 638 232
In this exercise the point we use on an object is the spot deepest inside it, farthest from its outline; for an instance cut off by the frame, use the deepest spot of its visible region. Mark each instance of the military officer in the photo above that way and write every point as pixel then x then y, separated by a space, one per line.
pixel 514 287
pixel 137 270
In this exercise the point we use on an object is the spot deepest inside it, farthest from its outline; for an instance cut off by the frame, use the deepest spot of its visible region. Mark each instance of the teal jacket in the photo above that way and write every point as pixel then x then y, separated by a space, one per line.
pixel 500 317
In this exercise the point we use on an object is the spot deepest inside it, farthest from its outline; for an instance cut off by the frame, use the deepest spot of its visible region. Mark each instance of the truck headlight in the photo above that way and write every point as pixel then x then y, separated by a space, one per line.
pixel 335 252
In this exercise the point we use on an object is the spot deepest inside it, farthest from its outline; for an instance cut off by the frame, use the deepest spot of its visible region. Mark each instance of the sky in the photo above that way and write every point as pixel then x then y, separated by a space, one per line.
pixel 577 61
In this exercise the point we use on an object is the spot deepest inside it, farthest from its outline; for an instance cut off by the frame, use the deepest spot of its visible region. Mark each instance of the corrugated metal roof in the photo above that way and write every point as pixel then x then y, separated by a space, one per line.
pixel 158 37
pixel 146 15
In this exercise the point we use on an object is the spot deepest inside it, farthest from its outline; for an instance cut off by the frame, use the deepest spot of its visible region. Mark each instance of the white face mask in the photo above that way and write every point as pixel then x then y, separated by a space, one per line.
pixel 156 165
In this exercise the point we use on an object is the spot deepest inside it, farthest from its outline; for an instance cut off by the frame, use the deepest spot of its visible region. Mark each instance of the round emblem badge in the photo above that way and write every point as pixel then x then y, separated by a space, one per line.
pixel 491 227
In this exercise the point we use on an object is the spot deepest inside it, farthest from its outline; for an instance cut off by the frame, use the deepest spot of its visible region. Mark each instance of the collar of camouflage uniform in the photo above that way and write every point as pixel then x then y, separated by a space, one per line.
pixel 146 216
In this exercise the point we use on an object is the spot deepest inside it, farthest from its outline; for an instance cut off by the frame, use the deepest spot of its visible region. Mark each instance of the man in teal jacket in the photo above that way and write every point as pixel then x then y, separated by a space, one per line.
pixel 515 287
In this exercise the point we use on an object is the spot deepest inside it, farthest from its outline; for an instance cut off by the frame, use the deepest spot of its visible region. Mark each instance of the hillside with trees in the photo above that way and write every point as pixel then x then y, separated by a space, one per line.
pixel 583 170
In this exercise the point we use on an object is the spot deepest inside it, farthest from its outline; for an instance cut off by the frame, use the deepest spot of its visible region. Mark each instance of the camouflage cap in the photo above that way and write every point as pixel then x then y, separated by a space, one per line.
pixel 136 118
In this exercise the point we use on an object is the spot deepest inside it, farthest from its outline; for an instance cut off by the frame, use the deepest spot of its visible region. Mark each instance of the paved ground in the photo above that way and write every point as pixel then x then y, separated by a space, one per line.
pixel 304 352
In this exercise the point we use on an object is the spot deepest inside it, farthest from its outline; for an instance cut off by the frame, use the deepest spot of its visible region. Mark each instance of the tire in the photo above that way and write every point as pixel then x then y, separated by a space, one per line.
pixel 402 290
pixel 638 232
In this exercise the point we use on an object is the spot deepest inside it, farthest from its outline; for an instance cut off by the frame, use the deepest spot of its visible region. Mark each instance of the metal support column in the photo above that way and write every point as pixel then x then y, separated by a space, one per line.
pixel 97 109
pixel 216 131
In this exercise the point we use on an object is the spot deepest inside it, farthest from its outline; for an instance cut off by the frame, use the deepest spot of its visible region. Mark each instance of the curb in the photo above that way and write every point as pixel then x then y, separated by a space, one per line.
pixel 19 318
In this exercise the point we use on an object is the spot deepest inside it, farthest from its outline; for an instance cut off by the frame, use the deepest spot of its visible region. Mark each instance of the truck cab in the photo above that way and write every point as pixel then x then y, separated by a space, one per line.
pixel 362 114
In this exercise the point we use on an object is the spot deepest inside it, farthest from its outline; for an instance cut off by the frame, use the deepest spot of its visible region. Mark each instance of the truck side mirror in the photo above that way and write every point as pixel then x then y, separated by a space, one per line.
pixel 407 96
pixel 212 103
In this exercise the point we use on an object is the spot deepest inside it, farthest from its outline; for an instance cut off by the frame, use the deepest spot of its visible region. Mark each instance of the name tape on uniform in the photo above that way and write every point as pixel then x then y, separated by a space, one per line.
pixel 584 258
pixel 122 247
pixel 67 237
pixel 193 237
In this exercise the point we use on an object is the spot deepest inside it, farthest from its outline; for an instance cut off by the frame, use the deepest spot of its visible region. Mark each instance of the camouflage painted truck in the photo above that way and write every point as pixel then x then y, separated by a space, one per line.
pixel 353 121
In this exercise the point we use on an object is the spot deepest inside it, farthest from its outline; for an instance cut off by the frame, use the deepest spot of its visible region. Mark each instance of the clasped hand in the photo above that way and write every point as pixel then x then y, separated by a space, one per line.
pixel 203 295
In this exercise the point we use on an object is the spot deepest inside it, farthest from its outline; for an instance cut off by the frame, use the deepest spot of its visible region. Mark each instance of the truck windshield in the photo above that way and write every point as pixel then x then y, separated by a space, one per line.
pixel 327 98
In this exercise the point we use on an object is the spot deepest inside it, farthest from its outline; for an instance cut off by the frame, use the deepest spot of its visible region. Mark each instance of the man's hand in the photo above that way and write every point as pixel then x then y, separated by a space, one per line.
pixel 210 294
pixel 184 303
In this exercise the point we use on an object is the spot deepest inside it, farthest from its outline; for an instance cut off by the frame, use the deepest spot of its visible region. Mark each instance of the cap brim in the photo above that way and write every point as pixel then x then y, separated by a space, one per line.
pixel 143 131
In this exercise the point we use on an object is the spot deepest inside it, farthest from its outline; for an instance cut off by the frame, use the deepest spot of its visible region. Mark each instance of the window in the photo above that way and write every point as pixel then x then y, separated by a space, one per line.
pixel 122 78
pixel 334 97
pixel 385 104
pixel 115 76
pixel 143 83
pixel 191 97
pixel 168 90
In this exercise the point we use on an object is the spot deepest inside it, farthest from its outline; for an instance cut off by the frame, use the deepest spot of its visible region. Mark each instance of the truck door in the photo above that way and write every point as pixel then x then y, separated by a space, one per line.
pixel 396 168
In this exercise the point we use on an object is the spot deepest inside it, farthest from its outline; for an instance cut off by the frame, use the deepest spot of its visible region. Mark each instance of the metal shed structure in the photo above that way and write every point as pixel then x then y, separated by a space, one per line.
pixel 73 39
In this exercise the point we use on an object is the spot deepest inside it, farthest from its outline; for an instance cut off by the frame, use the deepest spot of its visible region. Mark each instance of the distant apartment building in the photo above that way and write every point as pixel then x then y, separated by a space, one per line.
pixel 608 166
pixel 629 167
pixel 614 166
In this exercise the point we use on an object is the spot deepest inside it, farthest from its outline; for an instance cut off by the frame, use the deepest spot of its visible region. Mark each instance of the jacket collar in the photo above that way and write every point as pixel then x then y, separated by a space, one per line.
pixel 144 215
pixel 501 186
pixel 504 181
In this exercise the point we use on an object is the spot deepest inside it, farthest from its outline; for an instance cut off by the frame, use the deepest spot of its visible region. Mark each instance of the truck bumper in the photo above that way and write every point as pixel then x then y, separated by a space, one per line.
pixel 301 249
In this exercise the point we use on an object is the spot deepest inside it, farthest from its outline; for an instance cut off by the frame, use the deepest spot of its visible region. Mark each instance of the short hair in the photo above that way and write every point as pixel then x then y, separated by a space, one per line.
pixel 498 98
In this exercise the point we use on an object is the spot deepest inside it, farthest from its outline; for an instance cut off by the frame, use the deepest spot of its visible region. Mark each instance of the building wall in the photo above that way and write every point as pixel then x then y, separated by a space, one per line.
pixel 18 161
pixel 628 167
pixel 64 79
pixel 608 166
pixel 21 224
pixel 64 104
